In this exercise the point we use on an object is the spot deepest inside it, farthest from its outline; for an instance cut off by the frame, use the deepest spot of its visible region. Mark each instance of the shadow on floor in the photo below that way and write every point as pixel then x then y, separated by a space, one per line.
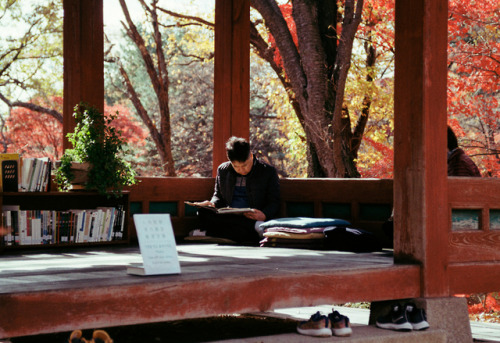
pixel 183 331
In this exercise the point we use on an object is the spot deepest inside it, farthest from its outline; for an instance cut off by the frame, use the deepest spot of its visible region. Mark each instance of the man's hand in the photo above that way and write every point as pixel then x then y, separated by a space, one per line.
pixel 205 203
pixel 255 215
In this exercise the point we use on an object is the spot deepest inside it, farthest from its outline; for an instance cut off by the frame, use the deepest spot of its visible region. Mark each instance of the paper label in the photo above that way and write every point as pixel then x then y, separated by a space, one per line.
pixel 157 244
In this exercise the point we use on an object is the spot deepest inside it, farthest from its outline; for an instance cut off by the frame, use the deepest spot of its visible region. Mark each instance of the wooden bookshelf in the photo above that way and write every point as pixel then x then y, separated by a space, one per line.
pixel 65 201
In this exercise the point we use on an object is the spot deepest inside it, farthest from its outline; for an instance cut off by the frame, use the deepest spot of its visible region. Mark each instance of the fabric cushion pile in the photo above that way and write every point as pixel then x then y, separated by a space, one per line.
pixel 298 232
pixel 317 234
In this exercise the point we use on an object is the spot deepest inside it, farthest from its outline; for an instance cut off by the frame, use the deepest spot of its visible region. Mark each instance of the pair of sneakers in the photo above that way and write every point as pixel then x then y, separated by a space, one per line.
pixel 320 325
pixel 404 318
pixel 99 336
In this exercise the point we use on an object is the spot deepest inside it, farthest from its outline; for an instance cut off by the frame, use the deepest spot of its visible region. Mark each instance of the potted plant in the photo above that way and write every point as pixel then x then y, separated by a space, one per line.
pixel 97 148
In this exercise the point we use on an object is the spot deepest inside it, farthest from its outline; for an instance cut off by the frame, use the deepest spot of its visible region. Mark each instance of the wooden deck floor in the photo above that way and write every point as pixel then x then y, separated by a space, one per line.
pixel 54 291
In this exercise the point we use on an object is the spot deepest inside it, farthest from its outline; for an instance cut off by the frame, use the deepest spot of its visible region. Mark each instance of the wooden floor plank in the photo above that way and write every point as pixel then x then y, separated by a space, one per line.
pixel 90 289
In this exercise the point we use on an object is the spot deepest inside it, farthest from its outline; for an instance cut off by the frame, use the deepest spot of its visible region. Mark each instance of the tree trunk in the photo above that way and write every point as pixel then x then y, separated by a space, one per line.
pixel 158 75
pixel 316 72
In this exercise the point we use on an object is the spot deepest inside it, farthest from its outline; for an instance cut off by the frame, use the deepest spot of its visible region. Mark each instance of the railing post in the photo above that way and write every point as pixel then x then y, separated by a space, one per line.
pixel 232 74
pixel 420 172
pixel 83 41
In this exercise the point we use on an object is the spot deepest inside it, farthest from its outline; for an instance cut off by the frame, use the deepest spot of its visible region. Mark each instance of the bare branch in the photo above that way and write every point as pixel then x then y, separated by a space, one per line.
pixel 33 107
pixel 187 17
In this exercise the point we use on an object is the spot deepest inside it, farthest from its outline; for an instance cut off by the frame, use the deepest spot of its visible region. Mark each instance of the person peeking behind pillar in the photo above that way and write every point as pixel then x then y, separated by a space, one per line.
pixel 459 164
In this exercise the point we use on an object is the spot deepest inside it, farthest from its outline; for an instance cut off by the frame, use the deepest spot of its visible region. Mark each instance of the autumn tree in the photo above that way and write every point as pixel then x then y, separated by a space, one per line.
pixel 34 134
pixel 156 64
pixel 474 79
pixel 30 58
pixel 314 73
pixel 315 80
pixel 369 90
pixel 187 43
pixel 357 87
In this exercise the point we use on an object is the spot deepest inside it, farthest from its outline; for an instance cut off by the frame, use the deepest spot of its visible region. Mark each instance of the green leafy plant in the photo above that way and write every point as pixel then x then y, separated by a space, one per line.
pixel 100 145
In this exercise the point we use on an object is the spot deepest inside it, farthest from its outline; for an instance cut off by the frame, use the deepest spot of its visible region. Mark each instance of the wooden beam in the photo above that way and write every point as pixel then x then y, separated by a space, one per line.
pixel 466 278
pixel 420 174
pixel 232 74
pixel 83 58
pixel 223 285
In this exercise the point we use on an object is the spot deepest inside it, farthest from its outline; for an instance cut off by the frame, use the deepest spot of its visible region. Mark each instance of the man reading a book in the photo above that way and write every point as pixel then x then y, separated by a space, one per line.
pixel 242 182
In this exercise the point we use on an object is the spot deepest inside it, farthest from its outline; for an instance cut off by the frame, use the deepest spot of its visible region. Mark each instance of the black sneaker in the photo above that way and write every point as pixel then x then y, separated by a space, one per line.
pixel 397 319
pixel 340 324
pixel 416 317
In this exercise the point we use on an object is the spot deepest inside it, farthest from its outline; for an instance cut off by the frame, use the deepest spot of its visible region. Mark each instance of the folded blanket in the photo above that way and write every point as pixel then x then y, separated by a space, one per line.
pixel 298 230
pixel 289 235
pixel 304 222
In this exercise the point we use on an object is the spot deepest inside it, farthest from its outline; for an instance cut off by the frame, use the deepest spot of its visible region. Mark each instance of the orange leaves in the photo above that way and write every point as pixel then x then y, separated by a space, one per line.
pixel 379 159
pixel 378 24
pixel 474 79
pixel 35 134
pixel 132 129
pixel 286 10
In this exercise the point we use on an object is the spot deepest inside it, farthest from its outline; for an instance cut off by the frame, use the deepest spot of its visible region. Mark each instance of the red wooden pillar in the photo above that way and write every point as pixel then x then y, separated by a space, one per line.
pixel 420 175
pixel 83 58
pixel 232 74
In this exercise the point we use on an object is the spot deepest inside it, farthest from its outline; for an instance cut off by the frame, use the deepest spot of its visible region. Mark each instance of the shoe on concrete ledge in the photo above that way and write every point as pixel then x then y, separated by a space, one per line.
pixel 416 317
pixel 397 319
pixel 318 326
pixel 340 324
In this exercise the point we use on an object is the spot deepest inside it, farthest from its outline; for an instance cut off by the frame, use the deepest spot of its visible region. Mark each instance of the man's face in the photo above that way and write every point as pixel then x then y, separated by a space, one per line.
pixel 243 168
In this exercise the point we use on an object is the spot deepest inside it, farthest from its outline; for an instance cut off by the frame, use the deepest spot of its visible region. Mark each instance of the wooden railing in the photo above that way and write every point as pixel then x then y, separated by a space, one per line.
pixel 474 208
pixel 474 235
pixel 474 219
pixel 366 203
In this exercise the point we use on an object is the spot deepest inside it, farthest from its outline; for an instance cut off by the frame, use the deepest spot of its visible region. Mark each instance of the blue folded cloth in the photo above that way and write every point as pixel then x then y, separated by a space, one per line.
pixel 304 222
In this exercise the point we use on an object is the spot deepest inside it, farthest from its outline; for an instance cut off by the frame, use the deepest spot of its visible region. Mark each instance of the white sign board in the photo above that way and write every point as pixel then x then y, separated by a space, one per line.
pixel 157 245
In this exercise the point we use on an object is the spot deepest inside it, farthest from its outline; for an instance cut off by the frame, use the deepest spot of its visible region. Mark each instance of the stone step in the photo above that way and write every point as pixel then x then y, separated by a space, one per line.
pixel 361 334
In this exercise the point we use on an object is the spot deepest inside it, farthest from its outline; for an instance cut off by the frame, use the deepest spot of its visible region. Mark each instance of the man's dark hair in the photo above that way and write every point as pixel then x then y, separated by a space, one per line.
pixel 237 149
pixel 452 139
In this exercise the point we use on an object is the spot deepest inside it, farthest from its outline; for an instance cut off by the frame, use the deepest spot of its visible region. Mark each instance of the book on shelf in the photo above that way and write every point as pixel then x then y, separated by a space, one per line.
pixel 35 174
pixel 35 227
pixel 221 210
pixel 10 222
pixel 9 180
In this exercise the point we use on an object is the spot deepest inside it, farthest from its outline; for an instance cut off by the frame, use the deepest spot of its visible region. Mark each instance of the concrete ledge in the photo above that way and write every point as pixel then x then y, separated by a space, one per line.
pixel 448 314
pixel 361 334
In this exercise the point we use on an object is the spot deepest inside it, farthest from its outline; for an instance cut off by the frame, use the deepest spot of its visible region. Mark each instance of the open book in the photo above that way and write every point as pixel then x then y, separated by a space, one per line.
pixel 222 210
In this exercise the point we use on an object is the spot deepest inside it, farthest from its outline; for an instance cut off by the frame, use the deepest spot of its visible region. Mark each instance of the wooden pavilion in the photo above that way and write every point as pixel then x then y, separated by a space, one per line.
pixel 431 261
